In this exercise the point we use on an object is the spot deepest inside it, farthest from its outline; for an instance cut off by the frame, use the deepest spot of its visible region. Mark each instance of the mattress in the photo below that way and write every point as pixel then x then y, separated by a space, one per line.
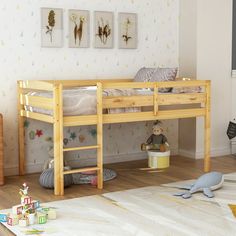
pixel 83 100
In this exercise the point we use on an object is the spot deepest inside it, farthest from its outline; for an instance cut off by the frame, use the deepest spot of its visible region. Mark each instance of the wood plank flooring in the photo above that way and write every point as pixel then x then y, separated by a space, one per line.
pixel 131 175
pixel 134 174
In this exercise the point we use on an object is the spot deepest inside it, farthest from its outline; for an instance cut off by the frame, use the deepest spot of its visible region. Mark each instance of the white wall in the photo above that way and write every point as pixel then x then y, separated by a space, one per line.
pixel 214 27
pixel 21 56
pixel 187 68
pixel 213 62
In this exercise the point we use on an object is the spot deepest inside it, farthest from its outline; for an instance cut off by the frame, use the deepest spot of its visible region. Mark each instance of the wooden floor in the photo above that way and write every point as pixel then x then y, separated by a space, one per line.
pixel 131 175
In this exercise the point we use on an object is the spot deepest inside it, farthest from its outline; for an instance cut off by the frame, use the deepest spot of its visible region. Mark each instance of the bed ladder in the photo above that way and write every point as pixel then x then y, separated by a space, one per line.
pixel 59 150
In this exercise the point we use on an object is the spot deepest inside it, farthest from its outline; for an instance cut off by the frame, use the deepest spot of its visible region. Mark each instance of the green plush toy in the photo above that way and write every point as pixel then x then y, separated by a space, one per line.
pixel 157 141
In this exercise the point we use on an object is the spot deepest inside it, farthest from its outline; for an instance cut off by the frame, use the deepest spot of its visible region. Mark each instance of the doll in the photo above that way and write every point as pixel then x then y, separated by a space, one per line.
pixel 157 141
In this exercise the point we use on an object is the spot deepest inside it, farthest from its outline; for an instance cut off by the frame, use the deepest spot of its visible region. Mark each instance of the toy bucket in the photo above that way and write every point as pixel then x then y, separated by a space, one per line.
pixel 157 159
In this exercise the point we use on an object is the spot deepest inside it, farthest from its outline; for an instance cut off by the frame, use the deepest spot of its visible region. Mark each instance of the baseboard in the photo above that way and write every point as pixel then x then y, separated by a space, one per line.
pixel 29 169
pixel 187 153
pixel 37 167
pixel 200 154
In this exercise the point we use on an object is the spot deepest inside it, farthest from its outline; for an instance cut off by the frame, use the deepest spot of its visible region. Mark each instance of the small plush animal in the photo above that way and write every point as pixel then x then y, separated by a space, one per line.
pixel 205 183
pixel 157 141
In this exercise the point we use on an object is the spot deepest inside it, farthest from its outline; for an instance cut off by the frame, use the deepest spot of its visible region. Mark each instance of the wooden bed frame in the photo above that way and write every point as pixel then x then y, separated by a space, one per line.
pixel 156 101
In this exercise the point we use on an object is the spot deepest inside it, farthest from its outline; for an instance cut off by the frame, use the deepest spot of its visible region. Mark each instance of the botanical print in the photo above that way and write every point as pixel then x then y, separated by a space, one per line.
pixel 103 22
pixel 127 30
pixel 51 23
pixel 78 28
pixel 51 27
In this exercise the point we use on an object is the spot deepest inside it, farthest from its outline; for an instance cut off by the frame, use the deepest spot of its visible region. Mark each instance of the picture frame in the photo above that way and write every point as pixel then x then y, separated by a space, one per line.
pixel 103 29
pixel 127 30
pixel 51 27
pixel 79 28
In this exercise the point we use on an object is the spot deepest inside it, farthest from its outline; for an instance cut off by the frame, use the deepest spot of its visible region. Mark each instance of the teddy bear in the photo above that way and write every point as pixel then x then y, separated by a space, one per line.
pixel 157 141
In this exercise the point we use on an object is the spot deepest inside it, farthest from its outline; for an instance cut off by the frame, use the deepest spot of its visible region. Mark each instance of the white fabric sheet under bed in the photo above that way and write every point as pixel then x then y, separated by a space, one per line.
pixel 83 101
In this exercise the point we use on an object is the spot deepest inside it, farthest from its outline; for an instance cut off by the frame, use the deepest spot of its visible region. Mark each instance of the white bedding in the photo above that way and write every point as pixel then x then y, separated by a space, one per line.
pixel 83 101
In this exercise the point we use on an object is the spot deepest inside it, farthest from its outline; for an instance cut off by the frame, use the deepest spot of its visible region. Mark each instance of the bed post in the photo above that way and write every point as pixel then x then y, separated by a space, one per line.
pixel 207 164
pixel 58 140
pixel 99 137
pixel 21 132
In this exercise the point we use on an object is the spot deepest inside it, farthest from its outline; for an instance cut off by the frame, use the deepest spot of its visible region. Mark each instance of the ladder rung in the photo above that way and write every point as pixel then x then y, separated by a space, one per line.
pixel 80 170
pixel 80 148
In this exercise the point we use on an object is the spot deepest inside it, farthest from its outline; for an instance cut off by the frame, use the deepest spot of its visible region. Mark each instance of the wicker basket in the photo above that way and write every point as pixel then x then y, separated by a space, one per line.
pixel 1 151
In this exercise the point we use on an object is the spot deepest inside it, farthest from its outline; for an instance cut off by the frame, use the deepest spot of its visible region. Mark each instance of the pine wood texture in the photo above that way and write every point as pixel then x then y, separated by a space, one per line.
pixel 1 152
pixel 21 132
pixel 99 137
pixel 207 141
pixel 58 140
pixel 156 101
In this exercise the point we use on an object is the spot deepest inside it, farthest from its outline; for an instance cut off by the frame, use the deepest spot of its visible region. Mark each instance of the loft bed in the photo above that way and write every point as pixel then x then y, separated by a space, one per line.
pixel 159 106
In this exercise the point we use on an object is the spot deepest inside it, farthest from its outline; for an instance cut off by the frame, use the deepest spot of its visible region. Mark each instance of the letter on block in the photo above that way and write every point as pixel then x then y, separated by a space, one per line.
pixel 13 220
pixel 17 210
pixel 3 217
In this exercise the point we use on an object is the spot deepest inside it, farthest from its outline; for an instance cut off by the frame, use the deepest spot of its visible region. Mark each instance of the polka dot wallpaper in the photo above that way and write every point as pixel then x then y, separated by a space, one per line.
pixel 22 57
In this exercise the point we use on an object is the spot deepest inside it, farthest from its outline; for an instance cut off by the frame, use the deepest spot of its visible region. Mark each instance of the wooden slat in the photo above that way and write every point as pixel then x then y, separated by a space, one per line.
pixel 80 148
pixel 58 140
pixel 84 82
pixel 127 101
pixel 36 85
pixel 36 101
pixel 188 98
pixel 80 120
pixel 207 135
pixel 37 116
pixel 1 152
pixel 152 84
pixel 145 116
pixel 155 99
pixel 21 132
pixel 99 136
pixel 67 172
pixel 109 85
pixel 174 84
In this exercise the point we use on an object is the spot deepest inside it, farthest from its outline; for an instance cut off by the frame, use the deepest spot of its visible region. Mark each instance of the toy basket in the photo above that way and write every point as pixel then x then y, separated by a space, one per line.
pixel 157 159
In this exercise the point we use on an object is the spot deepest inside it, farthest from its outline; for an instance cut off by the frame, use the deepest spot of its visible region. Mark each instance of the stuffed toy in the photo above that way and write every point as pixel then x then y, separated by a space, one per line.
pixel 205 183
pixel 157 141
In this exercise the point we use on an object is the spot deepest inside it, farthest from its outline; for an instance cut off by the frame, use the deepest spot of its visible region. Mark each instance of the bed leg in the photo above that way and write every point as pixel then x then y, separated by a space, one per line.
pixel 58 141
pixel 21 133
pixel 99 138
pixel 207 160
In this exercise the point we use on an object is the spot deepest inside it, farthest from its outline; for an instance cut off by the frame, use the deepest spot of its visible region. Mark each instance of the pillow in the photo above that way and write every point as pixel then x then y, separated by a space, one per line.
pixel 164 74
pixel 144 74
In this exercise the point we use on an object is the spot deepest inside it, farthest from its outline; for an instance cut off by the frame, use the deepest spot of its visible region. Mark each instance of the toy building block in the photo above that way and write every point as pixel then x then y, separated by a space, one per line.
pixel 23 222
pixel 41 218
pixel 17 210
pixel 36 204
pixel 3 217
pixel 52 214
pixel 13 220
pixel 26 200
pixel 30 206
pixel 31 218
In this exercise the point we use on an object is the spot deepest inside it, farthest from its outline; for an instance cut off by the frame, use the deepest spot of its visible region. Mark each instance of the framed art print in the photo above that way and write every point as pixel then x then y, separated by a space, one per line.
pixel 103 29
pixel 79 25
pixel 51 27
pixel 127 30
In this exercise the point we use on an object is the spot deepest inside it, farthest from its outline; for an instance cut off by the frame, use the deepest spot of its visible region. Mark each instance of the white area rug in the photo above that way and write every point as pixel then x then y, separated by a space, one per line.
pixel 144 211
